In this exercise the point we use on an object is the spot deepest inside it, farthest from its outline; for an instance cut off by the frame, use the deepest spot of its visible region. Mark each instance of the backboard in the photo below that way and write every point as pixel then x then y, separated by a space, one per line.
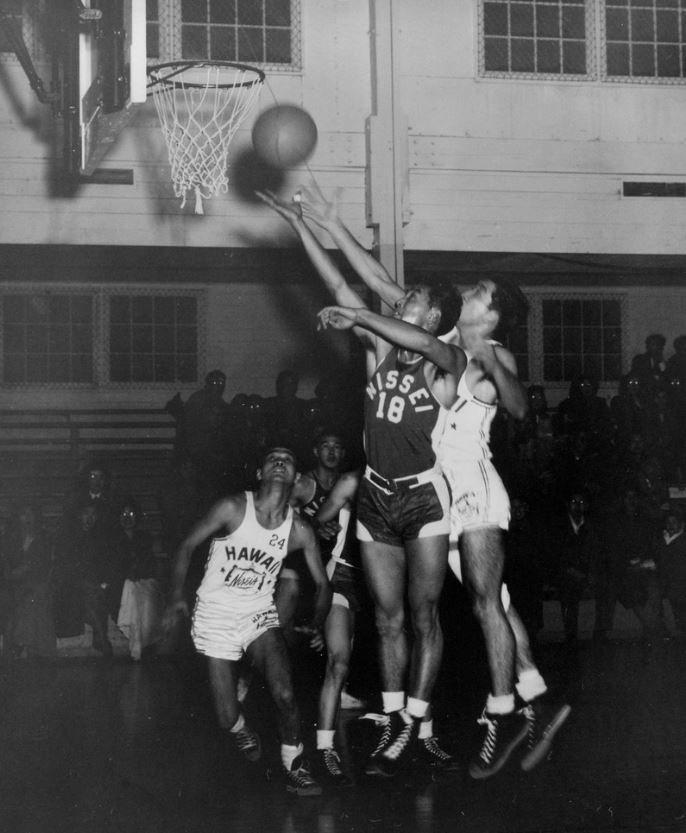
pixel 104 77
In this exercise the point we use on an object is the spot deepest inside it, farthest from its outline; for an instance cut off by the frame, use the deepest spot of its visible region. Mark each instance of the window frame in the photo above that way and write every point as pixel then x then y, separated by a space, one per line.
pixel 536 348
pixel 596 52
pixel 170 34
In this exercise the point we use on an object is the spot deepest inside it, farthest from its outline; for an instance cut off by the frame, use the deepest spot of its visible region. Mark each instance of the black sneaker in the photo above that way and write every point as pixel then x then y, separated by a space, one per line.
pixel 394 746
pixel 430 753
pixel 331 768
pixel 299 780
pixel 543 723
pixel 504 733
pixel 248 743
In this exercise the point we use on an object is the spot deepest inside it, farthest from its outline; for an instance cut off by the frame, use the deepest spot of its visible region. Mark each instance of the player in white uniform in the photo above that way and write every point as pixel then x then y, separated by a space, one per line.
pixel 480 513
pixel 235 614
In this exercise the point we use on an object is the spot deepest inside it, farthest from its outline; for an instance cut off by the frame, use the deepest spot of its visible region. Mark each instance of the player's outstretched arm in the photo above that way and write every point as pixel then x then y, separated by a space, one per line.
pixel 501 366
pixel 322 262
pixel 342 494
pixel 303 537
pixel 447 357
pixel 317 208
pixel 221 516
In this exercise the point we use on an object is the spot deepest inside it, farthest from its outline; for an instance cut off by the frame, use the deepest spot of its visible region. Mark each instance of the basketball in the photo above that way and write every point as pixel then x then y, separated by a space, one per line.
pixel 284 135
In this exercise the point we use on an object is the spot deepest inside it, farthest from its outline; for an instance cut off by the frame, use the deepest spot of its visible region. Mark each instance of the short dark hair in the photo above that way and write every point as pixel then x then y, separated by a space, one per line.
pixel 277 447
pixel 215 376
pixel 656 338
pixel 511 304
pixel 444 297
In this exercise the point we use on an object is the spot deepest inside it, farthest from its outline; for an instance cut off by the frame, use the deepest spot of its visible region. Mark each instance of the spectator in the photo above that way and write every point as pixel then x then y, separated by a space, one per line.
pixel 630 541
pixel 142 601
pixel 178 502
pixel 27 556
pixel 580 559
pixel 286 414
pixel 96 487
pixel 524 564
pixel 671 562
pixel 663 432
pixel 628 407
pixel 676 363
pixel 650 366
pixel 584 410
pixel 202 406
pixel 102 576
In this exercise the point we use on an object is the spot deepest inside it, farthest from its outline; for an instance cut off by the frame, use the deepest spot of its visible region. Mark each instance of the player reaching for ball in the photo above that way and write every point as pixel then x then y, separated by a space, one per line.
pixel 403 502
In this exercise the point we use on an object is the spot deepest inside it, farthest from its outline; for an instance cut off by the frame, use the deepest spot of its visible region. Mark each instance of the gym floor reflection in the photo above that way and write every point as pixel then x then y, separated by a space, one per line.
pixel 91 746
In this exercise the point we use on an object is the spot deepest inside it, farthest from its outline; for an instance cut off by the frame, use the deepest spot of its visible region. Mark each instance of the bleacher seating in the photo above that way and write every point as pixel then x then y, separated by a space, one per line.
pixel 42 452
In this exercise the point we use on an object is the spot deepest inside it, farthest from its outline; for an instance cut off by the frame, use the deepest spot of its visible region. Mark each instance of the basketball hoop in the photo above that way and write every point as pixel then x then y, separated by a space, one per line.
pixel 201 105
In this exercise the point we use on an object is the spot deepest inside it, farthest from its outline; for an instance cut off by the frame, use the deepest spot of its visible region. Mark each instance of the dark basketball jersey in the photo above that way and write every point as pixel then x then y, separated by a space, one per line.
pixel 403 419
pixel 310 509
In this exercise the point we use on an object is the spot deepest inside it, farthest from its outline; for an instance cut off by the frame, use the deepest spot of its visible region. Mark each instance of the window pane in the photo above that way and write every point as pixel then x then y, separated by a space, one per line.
pixel 223 11
pixel 618 59
pixel 530 36
pixel 250 13
pixel 222 45
pixel 642 60
pixel 152 346
pixel 277 13
pixel 278 46
pixel 571 312
pixel 194 11
pixel 593 340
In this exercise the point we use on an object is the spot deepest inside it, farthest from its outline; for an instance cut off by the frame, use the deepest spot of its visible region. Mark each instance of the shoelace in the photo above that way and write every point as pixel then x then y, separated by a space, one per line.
pixel 385 737
pixel 300 774
pixel 332 762
pixel 488 747
pixel 531 725
pixel 431 746
pixel 398 746
pixel 245 740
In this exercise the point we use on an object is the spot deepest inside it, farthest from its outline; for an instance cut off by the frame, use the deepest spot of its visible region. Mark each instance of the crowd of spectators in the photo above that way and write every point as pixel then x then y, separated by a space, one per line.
pixel 591 481
pixel 588 480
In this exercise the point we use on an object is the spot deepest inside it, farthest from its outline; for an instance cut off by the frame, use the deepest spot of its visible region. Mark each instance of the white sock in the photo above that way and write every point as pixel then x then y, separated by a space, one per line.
pixel 502 704
pixel 530 684
pixel 426 729
pixel 239 724
pixel 325 738
pixel 289 754
pixel 416 708
pixel 393 701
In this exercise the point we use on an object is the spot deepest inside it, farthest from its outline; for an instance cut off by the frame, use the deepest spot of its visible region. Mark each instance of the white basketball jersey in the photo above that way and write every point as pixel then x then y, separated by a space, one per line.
pixel 467 431
pixel 242 568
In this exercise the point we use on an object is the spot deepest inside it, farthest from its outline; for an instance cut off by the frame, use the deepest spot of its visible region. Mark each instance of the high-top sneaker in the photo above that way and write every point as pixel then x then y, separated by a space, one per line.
pixel 504 733
pixel 299 780
pixel 248 743
pixel 395 745
pixel 543 723
pixel 330 768
pixel 431 754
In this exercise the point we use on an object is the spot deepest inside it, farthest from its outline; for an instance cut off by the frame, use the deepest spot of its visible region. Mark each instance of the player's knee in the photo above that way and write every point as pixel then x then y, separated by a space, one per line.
pixel 284 697
pixel 389 625
pixel 425 618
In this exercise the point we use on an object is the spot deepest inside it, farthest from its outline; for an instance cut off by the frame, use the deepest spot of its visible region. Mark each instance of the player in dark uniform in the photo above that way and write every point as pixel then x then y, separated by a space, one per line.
pixel 344 570
pixel 309 494
pixel 403 504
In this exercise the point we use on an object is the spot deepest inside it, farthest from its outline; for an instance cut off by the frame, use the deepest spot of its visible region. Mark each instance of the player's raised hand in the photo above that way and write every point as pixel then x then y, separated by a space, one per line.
pixel 340 318
pixel 316 207
pixel 289 210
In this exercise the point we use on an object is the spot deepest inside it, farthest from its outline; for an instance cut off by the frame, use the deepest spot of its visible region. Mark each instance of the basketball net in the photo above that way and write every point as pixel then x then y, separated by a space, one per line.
pixel 200 106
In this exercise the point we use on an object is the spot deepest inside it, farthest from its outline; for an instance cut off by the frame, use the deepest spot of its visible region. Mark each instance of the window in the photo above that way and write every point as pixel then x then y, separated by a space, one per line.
pixel 101 337
pixel 609 40
pixel 531 37
pixel 645 38
pixel 47 338
pixel 581 335
pixel 264 32
pixel 153 339
pixel 517 343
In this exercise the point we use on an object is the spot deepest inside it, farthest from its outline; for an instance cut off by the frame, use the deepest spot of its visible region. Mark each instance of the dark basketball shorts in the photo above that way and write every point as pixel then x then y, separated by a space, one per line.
pixel 347 585
pixel 405 514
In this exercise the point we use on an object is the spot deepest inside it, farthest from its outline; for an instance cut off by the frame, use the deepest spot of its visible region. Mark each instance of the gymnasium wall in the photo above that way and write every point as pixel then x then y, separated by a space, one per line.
pixel 494 165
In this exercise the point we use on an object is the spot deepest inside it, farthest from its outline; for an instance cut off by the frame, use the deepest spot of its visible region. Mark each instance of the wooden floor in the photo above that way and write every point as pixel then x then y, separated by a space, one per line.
pixel 91 746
